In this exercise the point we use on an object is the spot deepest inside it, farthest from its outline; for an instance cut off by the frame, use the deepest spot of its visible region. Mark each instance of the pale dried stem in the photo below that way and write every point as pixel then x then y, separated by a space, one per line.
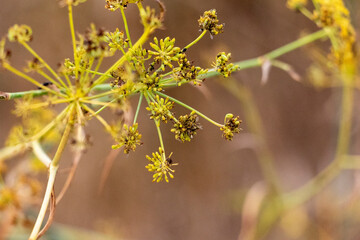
pixel 107 167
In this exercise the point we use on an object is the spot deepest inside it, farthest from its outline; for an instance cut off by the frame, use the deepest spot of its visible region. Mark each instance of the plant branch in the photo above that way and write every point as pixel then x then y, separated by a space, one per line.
pixel 255 62
pixel 52 174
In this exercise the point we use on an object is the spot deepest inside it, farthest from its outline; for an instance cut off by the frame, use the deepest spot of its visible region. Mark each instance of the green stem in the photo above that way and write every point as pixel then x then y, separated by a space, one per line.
pixel 157 124
pixel 126 25
pixel 42 73
pixel 138 108
pixel 195 41
pixel 255 62
pixel 190 108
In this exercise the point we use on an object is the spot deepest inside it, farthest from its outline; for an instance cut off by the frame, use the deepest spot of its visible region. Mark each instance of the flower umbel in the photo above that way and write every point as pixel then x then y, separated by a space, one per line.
pixel 130 138
pixel 164 52
pixel 160 109
pixel 210 22
pixel 221 64
pixel 20 33
pixel 231 126
pixel 185 127
pixel 161 166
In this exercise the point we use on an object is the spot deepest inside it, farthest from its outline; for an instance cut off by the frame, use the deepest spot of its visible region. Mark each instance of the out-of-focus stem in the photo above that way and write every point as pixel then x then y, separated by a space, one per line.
pixel 305 192
pixel 253 121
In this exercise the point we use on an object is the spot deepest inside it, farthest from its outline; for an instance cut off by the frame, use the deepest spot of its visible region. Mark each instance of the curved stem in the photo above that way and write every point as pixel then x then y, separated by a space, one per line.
pixel 195 41
pixel 305 192
pixel 52 174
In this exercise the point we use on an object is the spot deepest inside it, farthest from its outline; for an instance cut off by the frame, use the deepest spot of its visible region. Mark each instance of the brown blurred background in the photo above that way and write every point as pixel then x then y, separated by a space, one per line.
pixel 204 201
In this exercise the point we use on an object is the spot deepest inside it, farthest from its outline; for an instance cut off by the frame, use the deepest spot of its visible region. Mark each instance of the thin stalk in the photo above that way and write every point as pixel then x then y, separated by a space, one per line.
pixel 80 136
pixel 99 118
pixel 72 30
pixel 42 73
pixel 138 108
pixel 43 62
pixel 65 136
pixel 68 80
pixel 83 78
pixel 99 95
pixel 157 124
pixel 98 64
pixel 31 80
pixel 51 125
pixel 195 41
pixel 306 13
pixel 94 102
pixel 126 25
pixel 140 42
pixel 98 73
pixel 105 106
pixel 190 108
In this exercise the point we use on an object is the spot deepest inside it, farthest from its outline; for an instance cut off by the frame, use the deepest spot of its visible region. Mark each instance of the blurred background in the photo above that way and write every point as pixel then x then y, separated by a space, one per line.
pixel 205 200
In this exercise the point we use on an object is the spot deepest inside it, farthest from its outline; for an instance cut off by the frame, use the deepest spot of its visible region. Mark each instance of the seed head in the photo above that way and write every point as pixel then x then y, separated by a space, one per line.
pixel 185 128
pixel 210 22
pixel 231 126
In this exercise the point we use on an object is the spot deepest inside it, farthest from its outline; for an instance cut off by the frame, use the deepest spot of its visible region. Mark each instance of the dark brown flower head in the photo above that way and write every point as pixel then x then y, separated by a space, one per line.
pixel 231 126
pixel 222 65
pixel 130 138
pixel 187 71
pixel 185 128
pixel 112 5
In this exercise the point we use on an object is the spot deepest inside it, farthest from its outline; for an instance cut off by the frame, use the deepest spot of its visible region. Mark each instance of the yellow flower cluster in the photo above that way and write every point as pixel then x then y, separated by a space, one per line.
pixel 333 13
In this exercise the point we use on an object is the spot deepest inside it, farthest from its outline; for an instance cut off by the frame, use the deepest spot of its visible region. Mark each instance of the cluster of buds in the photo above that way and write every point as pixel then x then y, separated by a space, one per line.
pixel 210 22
